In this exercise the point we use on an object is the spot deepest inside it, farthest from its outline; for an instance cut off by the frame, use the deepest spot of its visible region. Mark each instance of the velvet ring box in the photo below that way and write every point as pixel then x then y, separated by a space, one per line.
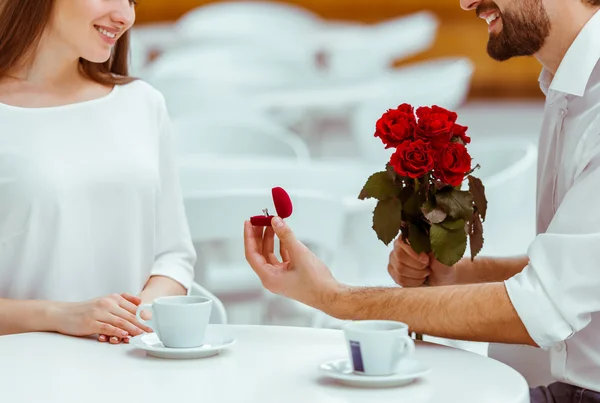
pixel 283 206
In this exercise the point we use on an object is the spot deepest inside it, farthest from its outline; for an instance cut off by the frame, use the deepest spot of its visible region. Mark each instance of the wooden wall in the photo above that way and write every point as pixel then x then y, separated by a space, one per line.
pixel 460 34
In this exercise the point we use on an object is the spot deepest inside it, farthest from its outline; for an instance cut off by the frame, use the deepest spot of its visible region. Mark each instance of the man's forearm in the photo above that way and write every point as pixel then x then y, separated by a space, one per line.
pixel 160 286
pixel 17 316
pixel 477 312
pixel 488 269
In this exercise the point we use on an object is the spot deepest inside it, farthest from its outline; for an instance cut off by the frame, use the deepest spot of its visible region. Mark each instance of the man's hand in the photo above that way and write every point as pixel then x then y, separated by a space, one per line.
pixel 300 275
pixel 410 269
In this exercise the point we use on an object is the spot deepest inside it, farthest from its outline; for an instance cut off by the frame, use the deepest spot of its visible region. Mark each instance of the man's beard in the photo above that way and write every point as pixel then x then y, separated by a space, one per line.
pixel 523 33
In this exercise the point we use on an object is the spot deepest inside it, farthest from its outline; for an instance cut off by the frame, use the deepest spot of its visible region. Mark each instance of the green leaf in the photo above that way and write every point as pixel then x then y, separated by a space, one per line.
pixel 412 206
pixel 379 186
pixel 429 205
pixel 454 225
pixel 436 216
pixel 477 189
pixel 404 231
pixel 475 235
pixel 457 203
pixel 424 186
pixel 387 218
pixel 448 246
pixel 418 238
pixel 392 174
pixel 405 194
pixel 440 186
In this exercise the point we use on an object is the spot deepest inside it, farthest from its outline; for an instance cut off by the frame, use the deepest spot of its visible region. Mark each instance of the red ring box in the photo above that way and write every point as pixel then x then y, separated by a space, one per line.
pixel 283 206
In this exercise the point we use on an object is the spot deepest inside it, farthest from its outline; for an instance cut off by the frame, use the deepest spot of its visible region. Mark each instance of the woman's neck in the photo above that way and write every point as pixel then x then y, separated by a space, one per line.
pixel 52 65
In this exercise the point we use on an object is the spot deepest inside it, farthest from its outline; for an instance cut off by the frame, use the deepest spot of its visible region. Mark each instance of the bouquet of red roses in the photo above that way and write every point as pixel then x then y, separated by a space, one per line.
pixel 420 192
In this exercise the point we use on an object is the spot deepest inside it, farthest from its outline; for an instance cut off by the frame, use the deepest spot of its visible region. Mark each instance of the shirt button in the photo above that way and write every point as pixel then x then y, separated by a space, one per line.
pixel 563 113
pixel 559 347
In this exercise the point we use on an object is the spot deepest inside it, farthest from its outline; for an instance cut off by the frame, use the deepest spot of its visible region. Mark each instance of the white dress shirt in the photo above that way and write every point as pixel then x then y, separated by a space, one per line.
pixel 558 294
pixel 90 202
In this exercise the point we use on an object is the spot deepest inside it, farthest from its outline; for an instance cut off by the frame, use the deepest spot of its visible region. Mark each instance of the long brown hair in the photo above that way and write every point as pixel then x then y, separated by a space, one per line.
pixel 22 24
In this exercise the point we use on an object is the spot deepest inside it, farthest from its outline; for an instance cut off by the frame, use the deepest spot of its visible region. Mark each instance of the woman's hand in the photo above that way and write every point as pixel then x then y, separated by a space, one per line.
pixel 112 318
pixel 136 300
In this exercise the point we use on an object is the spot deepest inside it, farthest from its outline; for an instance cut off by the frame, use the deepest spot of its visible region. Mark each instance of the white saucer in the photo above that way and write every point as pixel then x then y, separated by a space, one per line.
pixel 341 370
pixel 153 347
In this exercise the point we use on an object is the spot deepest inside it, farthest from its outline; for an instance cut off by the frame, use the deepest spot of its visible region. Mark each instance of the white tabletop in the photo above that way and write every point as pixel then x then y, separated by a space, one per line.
pixel 266 365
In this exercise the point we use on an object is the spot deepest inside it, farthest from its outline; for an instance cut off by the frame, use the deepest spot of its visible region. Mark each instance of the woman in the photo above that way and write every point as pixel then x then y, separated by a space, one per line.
pixel 90 207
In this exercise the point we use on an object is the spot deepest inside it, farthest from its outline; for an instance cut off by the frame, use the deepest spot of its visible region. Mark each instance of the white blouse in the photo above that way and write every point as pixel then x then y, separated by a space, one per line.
pixel 90 202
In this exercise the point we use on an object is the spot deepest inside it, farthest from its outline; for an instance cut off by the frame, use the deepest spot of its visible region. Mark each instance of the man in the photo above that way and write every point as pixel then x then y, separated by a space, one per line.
pixel 549 298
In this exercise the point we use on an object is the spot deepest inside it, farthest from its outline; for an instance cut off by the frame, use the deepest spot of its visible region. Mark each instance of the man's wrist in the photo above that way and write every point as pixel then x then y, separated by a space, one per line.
pixel 332 298
pixel 488 269
pixel 462 272
pixel 361 303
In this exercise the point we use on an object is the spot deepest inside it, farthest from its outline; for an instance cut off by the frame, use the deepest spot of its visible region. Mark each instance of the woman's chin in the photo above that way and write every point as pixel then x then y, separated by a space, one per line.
pixel 98 57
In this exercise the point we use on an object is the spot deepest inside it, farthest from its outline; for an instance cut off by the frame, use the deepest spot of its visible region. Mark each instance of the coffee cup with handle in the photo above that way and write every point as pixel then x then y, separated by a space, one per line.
pixel 178 321
pixel 378 347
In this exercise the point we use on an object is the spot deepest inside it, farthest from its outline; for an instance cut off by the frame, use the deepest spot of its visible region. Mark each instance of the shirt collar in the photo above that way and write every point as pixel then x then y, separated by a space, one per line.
pixel 578 64
pixel 545 80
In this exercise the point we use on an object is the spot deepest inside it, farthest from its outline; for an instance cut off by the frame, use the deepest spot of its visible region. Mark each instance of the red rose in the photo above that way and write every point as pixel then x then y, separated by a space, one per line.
pixel 424 111
pixel 452 163
pixel 461 133
pixel 435 125
pixel 413 159
pixel 396 126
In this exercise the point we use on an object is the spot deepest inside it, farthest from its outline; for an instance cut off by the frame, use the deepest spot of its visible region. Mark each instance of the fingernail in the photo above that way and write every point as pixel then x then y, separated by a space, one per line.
pixel 277 222
pixel 124 333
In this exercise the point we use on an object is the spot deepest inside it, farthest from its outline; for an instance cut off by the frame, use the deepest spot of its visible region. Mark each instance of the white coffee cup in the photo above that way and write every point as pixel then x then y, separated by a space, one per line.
pixel 377 347
pixel 178 321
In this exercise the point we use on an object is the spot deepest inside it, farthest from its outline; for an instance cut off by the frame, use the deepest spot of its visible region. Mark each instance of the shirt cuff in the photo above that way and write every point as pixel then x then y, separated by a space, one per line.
pixel 183 275
pixel 537 311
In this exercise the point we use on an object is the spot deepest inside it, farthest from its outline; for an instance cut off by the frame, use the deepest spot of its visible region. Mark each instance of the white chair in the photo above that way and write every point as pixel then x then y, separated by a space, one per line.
pixel 256 27
pixel 194 78
pixel 237 135
pixel 444 82
pixel 138 54
pixel 507 163
pixel 359 51
pixel 218 309
pixel 227 20
pixel 341 179
pixel 216 219
pixel 414 84
pixel 156 37
pixel 221 68
pixel 185 97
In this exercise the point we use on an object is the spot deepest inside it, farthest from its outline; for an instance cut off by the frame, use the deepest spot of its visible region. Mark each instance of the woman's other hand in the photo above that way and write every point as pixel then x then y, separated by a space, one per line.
pixel 112 318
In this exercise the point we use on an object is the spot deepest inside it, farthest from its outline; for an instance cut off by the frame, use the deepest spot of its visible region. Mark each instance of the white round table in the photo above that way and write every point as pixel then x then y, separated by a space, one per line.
pixel 265 365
